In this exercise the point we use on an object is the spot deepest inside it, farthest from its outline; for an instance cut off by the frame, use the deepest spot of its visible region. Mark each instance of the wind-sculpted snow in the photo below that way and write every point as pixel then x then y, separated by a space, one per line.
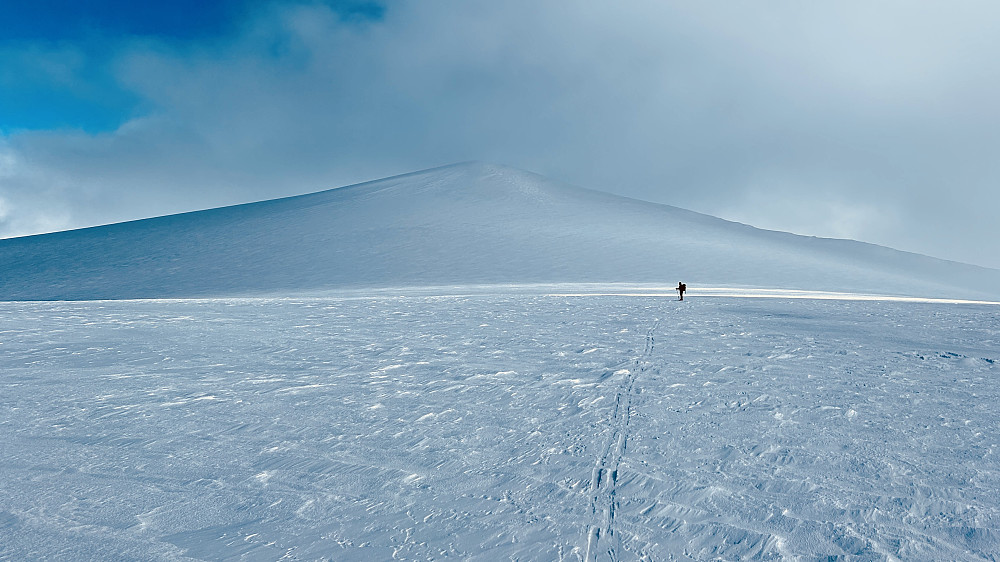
pixel 493 427
pixel 463 224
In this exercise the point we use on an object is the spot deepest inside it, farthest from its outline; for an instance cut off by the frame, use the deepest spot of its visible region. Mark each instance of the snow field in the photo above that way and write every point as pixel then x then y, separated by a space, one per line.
pixel 490 427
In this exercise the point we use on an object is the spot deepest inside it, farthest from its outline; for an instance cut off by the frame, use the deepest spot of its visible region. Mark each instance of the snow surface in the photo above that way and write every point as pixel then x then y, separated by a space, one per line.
pixel 507 425
pixel 463 224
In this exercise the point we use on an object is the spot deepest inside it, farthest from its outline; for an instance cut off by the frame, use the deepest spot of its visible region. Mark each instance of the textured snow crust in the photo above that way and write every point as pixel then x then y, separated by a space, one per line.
pixel 462 224
pixel 499 426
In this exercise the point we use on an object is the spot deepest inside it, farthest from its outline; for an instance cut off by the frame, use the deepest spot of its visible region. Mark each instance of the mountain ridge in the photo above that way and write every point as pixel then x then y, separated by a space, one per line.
pixel 465 223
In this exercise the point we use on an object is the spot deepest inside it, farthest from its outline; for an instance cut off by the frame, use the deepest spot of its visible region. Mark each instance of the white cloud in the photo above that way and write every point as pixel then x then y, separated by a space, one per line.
pixel 825 211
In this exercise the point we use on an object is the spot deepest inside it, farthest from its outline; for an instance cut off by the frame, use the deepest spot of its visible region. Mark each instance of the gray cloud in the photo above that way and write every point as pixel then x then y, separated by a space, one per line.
pixel 850 119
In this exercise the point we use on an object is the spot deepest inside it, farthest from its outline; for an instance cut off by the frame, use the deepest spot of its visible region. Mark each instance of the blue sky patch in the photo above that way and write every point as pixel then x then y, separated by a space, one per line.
pixel 55 55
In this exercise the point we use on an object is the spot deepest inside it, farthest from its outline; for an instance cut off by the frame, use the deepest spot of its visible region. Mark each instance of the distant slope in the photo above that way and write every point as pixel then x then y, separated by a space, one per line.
pixel 461 224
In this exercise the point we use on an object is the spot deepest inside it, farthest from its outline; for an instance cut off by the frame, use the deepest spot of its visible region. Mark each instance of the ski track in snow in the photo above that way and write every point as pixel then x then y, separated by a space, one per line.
pixel 605 475
pixel 492 427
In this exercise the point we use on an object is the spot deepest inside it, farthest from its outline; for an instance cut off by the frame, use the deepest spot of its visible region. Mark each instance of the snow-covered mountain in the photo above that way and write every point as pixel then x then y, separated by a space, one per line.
pixel 468 223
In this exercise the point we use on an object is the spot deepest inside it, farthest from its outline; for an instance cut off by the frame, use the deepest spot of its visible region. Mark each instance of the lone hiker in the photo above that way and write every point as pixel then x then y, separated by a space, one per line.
pixel 681 287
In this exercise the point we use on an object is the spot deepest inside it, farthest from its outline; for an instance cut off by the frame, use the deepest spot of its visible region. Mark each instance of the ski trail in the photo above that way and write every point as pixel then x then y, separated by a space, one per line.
pixel 604 478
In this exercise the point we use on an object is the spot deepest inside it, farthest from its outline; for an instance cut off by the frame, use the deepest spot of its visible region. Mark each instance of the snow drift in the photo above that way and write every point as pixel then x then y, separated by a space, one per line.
pixel 468 223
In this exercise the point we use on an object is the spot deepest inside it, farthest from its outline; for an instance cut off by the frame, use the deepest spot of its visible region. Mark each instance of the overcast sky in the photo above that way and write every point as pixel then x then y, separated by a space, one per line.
pixel 876 121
